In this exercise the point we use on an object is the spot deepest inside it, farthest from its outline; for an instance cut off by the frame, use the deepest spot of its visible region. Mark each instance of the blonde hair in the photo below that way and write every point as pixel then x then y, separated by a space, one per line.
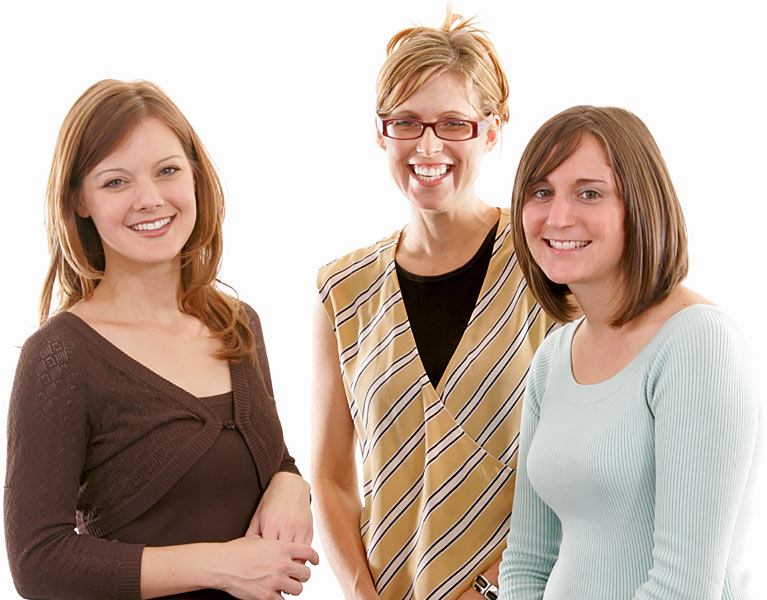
pixel 654 259
pixel 102 117
pixel 417 55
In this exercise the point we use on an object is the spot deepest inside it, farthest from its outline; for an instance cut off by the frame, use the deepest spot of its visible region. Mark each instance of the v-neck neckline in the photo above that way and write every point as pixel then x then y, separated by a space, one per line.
pixel 502 227
pixel 142 372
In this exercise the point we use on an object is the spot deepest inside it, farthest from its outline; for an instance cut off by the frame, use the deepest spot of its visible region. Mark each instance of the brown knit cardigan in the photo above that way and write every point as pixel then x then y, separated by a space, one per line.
pixel 94 440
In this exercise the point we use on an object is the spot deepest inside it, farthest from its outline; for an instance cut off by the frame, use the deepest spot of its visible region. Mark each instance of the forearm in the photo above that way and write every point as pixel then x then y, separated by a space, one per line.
pixel 491 573
pixel 247 567
pixel 338 511
pixel 176 569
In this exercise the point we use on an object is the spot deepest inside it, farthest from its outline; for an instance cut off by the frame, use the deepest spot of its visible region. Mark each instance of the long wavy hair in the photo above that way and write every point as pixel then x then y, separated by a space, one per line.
pixel 100 119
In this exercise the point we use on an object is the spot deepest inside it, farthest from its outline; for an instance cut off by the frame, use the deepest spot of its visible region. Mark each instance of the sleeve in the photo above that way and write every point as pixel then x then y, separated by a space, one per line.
pixel 47 442
pixel 706 418
pixel 287 463
pixel 535 532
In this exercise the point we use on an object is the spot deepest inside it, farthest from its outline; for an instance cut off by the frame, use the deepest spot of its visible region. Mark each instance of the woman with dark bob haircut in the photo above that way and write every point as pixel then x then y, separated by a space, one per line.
pixel 640 418
pixel 145 454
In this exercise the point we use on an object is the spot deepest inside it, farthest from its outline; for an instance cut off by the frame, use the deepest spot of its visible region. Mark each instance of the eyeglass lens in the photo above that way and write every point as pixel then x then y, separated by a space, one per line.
pixel 404 129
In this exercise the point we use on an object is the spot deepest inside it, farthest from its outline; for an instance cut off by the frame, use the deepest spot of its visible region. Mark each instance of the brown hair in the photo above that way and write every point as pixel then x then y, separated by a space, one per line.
pixel 105 114
pixel 654 257
pixel 418 54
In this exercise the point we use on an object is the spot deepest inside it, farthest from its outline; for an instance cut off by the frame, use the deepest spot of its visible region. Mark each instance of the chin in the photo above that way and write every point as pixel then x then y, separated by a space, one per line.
pixel 430 201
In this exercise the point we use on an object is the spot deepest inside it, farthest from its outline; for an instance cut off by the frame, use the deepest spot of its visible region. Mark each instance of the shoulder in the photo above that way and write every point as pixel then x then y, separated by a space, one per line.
pixel 53 364
pixel 702 351
pixel 251 316
pixel 357 262
pixel 57 339
pixel 700 331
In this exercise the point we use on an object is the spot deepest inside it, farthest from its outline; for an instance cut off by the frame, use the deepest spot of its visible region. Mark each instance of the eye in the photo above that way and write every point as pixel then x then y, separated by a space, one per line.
pixel 589 195
pixel 540 194
pixel 169 170
pixel 114 183
pixel 404 123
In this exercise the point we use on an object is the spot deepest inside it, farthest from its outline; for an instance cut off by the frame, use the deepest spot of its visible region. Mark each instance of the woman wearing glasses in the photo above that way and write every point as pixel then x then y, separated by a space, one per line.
pixel 142 411
pixel 422 343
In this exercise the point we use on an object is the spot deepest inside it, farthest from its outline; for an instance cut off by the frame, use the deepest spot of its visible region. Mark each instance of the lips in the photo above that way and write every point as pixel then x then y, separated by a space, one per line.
pixel 430 173
pixel 151 225
pixel 567 244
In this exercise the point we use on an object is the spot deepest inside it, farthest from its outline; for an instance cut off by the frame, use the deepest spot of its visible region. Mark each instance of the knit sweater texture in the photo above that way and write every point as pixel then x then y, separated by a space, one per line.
pixel 95 439
pixel 637 487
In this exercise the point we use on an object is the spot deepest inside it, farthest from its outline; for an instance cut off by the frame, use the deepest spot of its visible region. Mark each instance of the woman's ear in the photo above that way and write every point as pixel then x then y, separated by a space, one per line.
pixel 493 133
pixel 380 139
pixel 80 207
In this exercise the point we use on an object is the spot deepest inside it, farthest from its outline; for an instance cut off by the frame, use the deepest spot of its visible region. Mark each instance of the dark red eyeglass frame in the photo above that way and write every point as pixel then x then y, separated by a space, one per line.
pixel 477 127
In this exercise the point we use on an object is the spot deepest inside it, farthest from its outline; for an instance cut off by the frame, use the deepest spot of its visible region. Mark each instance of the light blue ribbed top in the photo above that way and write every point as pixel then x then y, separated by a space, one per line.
pixel 636 487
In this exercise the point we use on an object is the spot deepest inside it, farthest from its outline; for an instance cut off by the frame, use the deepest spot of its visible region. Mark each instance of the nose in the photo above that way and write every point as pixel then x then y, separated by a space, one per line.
pixel 560 211
pixel 429 144
pixel 148 196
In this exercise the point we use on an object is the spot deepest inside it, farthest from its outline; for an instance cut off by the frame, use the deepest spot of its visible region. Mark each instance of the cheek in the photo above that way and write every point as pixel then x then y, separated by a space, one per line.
pixel 533 217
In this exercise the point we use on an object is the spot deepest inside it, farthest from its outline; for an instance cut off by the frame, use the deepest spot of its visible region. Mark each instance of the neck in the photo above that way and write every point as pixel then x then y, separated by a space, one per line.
pixel 599 306
pixel 141 293
pixel 431 233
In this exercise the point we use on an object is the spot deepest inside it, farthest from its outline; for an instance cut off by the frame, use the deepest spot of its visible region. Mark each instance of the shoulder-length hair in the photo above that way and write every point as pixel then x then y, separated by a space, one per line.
pixel 654 257
pixel 417 55
pixel 100 119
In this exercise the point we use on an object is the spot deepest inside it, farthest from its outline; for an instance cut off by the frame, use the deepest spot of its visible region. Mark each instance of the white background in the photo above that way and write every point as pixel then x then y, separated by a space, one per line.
pixel 260 82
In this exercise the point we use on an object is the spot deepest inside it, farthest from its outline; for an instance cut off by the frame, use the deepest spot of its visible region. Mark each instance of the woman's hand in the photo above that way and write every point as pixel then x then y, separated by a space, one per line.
pixel 250 568
pixel 283 512
pixel 253 568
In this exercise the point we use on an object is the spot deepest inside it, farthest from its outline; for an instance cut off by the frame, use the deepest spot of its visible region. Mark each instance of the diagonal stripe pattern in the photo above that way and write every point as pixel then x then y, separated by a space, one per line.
pixel 438 464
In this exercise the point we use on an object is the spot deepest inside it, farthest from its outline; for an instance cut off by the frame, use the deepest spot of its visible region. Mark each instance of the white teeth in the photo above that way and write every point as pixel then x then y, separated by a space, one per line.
pixel 570 245
pixel 151 226
pixel 429 171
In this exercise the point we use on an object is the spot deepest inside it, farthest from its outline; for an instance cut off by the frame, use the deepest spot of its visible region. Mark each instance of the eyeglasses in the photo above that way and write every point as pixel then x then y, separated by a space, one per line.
pixel 453 130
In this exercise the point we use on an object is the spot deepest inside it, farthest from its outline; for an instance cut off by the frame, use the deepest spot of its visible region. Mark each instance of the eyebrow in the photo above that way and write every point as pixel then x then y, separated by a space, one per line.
pixel 447 115
pixel 120 170
pixel 580 180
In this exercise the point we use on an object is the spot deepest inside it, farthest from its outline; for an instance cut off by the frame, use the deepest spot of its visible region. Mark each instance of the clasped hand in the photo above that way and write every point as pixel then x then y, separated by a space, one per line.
pixel 271 558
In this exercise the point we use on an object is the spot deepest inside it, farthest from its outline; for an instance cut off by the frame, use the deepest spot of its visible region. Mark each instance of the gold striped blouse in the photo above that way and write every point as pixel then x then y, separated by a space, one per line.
pixel 438 464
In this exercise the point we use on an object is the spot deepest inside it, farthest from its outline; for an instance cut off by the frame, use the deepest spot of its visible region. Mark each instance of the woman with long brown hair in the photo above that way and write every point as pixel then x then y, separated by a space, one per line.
pixel 145 454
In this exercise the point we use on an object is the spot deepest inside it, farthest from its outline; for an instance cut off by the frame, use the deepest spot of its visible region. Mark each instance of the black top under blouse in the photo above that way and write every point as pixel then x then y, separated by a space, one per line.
pixel 439 307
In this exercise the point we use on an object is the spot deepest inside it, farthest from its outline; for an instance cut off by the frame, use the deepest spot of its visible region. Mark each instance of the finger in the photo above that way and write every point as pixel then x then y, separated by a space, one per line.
pixel 298 571
pixel 254 528
pixel 302 552
pixel 292 587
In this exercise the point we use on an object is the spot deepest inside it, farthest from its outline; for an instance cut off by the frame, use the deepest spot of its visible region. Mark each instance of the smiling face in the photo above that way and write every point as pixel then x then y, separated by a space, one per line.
pixel 141 197
pixel 573 221
pixel 435 174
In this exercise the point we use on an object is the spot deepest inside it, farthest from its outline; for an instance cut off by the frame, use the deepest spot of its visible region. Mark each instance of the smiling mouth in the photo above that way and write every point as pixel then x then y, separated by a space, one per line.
pixel 430 173
pixel 567 244
pixel 152 225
